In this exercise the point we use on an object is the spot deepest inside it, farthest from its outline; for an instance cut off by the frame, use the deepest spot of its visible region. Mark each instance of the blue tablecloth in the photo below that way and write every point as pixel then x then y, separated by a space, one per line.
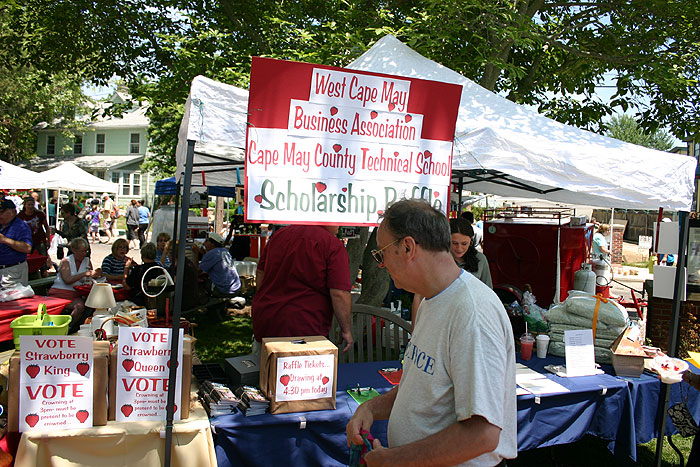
pixel 620 410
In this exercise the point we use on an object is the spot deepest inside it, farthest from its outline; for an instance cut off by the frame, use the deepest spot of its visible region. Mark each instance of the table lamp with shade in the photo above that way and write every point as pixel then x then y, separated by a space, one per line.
pixel 101 298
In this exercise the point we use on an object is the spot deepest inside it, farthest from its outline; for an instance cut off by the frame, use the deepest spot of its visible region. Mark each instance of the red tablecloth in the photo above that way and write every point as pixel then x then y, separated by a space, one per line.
pixel 35 261
pixel 26 306
pixel 120 294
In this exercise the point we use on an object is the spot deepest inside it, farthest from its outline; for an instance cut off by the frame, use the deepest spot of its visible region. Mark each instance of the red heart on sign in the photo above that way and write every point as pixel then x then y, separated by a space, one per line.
pixel 176 363
pixel 31 419
pixel 33 370
pixel 436 194
pixel 408 118
pixel 337 147
pixel 373 114
pixel 345 189
pixel 128 364
pixel 127 409
pixel 284 379
pixel 83 368
pixel 396 153
pixel 380 212
pixel 334 110
pixel 320 187
pixel 258 199
pixel 391 106
pixel 325 380
pixel 82 415
pixel 428 154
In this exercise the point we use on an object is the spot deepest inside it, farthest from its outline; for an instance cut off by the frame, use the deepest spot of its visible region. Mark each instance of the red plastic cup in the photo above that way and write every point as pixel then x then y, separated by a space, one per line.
pixel 527 341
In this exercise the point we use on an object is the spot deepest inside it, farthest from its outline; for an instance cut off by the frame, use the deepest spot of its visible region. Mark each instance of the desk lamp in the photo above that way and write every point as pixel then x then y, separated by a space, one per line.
pixel 101 298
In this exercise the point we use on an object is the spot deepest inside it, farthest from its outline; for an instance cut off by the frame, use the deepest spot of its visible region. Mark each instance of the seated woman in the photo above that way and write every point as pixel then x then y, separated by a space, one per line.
pixel 116 265
pixel 465 255
pixel 190 295
pixel 161 257
pixel 74 270
pixel 132 281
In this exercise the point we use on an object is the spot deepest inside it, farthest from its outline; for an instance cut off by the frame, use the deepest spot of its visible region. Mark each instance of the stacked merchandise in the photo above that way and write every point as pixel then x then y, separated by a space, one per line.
pixel 218 399
pixel 576 312
pixel 253 401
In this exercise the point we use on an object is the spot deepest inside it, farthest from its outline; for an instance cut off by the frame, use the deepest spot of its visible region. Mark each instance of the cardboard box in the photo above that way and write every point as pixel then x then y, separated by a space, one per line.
pixel 299 374
pixel 628 355
pixel 188 342
pixel 99 378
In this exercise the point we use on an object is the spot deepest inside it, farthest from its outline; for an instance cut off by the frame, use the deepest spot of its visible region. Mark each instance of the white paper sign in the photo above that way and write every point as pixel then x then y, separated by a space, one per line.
pixel 143 368
pixel 668 237
pixel 55 382
pixel 580 356
pixel 665 282
pixel 304 377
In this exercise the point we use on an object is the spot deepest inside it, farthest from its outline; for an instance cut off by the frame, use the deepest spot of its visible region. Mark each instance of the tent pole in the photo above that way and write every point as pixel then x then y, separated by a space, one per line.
pixel 674 333
pixel 177 309
pixel 177 209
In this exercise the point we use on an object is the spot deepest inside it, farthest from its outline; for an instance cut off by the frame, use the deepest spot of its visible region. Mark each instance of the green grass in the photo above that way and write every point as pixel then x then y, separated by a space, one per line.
pixel 217 340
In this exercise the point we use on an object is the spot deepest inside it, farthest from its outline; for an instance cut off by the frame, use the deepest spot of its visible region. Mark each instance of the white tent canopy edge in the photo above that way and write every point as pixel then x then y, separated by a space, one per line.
pixel 560 162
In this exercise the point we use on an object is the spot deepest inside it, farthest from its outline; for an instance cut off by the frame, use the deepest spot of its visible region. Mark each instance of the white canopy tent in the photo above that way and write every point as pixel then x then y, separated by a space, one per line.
pixel 500 147
pixel 17 178
pixel 70 177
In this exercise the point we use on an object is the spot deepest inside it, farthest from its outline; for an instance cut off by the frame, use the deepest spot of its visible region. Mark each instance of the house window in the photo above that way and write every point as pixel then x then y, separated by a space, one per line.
pixel 125 184
pixel 78 145
pixel 51 144
pixel 136 184
pixel 100 143
pixel 135 147
pixel 115 177
pixel 696 149
pixel 100 174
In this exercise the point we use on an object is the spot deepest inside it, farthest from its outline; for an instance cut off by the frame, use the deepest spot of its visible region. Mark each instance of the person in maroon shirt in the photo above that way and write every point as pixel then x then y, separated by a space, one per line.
pixel 36 220
pixel 303 280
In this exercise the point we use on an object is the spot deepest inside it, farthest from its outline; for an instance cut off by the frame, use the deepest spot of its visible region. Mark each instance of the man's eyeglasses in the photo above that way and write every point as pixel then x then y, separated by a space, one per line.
pixel 378 255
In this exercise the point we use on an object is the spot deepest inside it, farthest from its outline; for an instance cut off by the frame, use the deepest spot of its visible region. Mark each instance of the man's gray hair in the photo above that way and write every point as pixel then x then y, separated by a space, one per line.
pixel 149 251
pixel 78 242
pixel 418 219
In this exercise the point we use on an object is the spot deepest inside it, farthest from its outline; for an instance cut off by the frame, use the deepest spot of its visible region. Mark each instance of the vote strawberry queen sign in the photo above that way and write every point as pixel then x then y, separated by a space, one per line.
pixel 336 146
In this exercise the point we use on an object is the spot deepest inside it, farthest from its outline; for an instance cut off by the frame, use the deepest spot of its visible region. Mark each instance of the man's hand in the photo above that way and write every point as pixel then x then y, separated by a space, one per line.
pixel 361 420
pixel 346 337
pixel 377 456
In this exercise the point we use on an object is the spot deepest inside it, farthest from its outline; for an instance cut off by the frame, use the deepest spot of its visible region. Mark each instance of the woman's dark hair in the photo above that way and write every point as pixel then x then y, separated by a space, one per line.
pixel 462 226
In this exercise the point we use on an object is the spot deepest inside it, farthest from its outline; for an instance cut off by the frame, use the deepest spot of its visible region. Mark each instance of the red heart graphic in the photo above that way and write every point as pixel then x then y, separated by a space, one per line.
pixel 258 199
pixel 428 154
pixel 128 364
pixel 380 213
pixel 284 379
pixel 83 368
pixel 408 118
pixel 176 363
pixel 396 153
pixel 436 194
pixel 320 187
pixel 391 106
pixel 82 415
pixel 345 189
pixel 325 380
pixel 174 408
pixel 334 110
pixel 127 409
pixel 31 419
pixel 33 370
pixel 373 114
pixel 337 147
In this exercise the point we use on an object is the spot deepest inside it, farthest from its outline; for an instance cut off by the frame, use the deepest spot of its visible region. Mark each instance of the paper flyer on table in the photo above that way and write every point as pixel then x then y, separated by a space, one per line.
pixel 143 370
pixel 55 382
pixel 580 356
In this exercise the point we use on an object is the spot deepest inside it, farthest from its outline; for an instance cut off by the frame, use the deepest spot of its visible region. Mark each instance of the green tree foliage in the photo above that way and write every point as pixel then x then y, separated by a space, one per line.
pixel 626 128
pixel 547 53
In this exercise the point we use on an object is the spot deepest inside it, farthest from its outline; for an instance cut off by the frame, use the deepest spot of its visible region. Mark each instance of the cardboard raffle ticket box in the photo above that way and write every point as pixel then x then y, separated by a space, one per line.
pixel 299 374
pixel 58 382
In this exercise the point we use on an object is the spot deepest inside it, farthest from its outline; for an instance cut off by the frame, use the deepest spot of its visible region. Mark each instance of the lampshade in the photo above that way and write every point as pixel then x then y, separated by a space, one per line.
pixel 101 296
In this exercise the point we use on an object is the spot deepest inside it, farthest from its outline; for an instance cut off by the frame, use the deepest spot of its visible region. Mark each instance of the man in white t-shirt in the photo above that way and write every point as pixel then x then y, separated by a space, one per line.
pixel 456 403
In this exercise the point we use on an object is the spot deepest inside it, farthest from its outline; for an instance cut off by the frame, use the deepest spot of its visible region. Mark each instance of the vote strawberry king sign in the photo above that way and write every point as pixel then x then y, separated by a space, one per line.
pixel 55 382
pixel 336 146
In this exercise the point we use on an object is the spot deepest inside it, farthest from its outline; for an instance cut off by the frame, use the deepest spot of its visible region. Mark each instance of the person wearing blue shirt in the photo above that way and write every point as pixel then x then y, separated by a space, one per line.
pixel 15 244
pixel 144 214
pixel 217 262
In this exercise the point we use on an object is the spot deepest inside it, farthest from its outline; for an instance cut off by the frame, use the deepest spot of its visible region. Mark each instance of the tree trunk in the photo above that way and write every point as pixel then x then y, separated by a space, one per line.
pixel 356 248
pixel 375 280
